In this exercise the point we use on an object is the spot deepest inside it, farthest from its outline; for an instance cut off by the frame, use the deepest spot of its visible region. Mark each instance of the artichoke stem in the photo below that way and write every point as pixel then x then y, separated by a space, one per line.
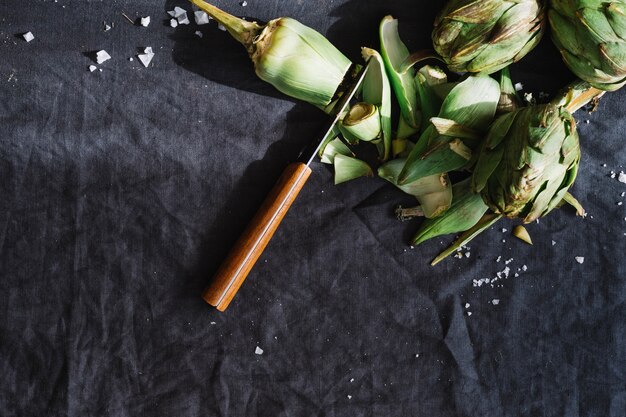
pixel 577 95
pixel 243 31
pixel 404 214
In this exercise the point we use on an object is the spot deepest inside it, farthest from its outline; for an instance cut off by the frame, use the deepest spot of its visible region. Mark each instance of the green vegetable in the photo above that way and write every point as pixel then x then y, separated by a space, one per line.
pixel 362 122
pixel 394 52
pixel 294 58
pixel 377 91
pixel 434 193
pixel 487 35
pixel 332 148
pixel 591 35
pixel 528 162
pixel 348 168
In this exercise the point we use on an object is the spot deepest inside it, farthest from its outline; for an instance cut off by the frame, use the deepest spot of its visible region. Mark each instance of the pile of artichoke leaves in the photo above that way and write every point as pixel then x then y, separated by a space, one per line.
pixel 458 108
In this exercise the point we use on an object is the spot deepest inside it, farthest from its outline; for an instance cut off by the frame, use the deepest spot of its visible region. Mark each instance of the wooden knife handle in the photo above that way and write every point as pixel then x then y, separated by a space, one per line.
pixel 255 238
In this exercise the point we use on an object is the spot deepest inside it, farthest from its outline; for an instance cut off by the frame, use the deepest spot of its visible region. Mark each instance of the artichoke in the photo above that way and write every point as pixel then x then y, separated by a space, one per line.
pixel 487 35
pixel 591 35
pixel 528 162
pixel 292 57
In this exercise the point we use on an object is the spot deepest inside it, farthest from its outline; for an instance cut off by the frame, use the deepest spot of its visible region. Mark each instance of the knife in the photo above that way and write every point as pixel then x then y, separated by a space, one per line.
pixel 250 245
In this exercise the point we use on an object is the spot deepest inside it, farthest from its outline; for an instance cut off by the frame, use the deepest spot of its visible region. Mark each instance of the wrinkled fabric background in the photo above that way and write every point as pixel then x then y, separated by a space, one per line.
pixel 122 191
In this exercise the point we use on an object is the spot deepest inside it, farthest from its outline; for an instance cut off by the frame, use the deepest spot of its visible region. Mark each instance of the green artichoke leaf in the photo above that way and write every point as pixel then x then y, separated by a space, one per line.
pixel 430 103
pixel 394 52
pixel 471 103
pixel 332 148
pixel 362 122
pixel 377 90
pixel 348 168
pixel 483 224
pixel 434 193
pixel 466 210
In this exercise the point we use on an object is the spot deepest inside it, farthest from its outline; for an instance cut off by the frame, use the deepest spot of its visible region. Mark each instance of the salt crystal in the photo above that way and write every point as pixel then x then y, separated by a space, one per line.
pixel 499 257
pixel 183 19
pixel 107 27
pixel 612 174
pixel 580 259
pixel 524 268
pixel 258 351
pixel 519 87
pixel 148 50
pixel 503 230
pixel 146 58
pixel 178 11
pixel 244 3
pixel 467 305
pixel 351 379
pixel 349 397
pixel 623 194
pixel 553 243
pixel 221 27
pixel 622 177
pixel 503 240
pixel 201 17
pixel 173 23
pixel 619 203
pixel 145 21
pixel 604 165
pixel 508 261
pixel 199 34
pixel 92 68
pixel 467 254
pixel 528 97
pixel 28 36
pixel 130 59
pixel 102 56
pixel 586 121
pixel 469 313
pixel 516 275
pixel 495 301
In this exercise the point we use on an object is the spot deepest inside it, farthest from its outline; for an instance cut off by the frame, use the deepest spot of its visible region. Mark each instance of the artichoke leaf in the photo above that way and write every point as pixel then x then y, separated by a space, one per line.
pixel 348 168
pixel 332 148
pixel 466 210
pixel 377 90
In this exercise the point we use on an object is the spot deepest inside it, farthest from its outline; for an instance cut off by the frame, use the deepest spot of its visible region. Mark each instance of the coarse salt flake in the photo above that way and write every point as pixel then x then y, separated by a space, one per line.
pixel 201 17
pixel 145 21
pixel 28 36
pixel 173 23
pixel 258 351
pixel 92 68
pixel 580 259
pixel 199 34
pixel 495 301
pixel 622 177
pixel 102 56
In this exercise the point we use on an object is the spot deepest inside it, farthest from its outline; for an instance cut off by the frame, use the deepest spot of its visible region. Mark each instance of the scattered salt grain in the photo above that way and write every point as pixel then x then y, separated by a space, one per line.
pixel 201 17
pixel 623 194
pixel 145 21
pixel 28 36
pixel 130 59
pixel 586 121
pixel 146 57
pixel 504 230
pixel 467 254
pixel 349 397
pixel 495 301
pixel 107 27
pixel 612 174
pixel 508 261
pixel 619 203
pixel 467 305
pixel 351 379
pixel 580 259
pixel 528 97
pixel 198 33
pixel 173 23
pixel 92 68
pixel 183 19
pixel 604 165
pixel 469 313
pixel 499 258
pixel 622 177
pixel 519 87
pixel 177 12
pixel 221 27
pixel 553 243
pixel 258 351
pixel 102 56
pixel 524 268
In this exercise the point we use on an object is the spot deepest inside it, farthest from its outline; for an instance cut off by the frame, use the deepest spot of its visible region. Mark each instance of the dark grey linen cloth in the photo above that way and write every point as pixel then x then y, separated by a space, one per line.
pixel 122 190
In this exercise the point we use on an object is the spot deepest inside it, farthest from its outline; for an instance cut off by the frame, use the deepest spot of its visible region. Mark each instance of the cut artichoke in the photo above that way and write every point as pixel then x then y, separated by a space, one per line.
pixel 361 123
pixel 348 168
pixel 294 58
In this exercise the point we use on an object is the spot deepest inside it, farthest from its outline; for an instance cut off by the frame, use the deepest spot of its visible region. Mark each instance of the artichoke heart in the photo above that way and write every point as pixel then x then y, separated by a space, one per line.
pixel 487 35
pixel 528 161
pixel 361 123
pixel 292 57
